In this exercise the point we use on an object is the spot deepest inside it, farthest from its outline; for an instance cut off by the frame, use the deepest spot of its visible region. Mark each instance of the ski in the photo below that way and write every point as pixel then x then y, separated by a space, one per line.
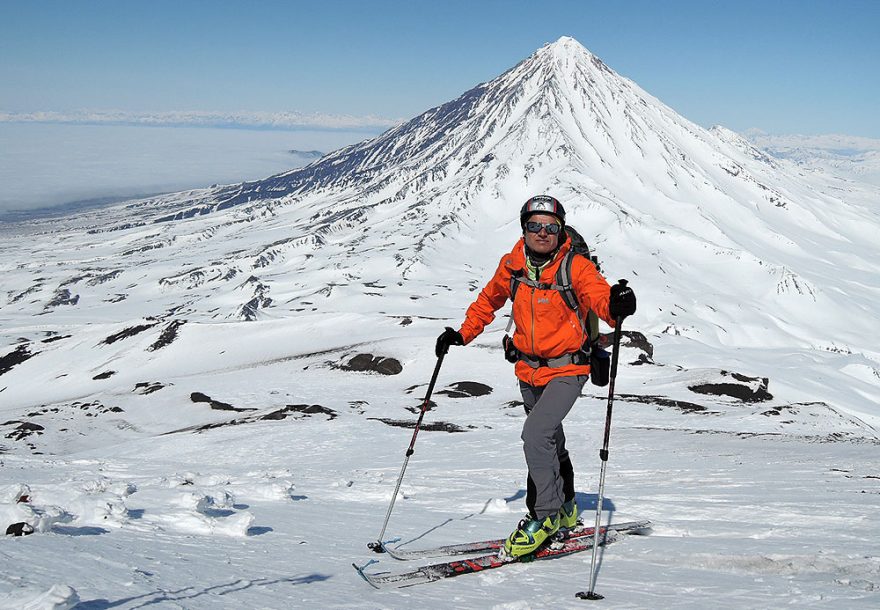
pixel 457 567
pixel 470 548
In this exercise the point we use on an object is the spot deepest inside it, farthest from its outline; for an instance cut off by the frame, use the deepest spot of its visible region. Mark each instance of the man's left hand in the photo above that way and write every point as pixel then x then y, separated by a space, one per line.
pixel 623 301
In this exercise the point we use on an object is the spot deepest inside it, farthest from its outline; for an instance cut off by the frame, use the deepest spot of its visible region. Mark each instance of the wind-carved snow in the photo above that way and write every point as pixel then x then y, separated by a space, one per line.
pixel 193 387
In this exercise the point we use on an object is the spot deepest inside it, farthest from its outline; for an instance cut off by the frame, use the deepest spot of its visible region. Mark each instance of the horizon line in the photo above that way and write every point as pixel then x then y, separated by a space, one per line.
pixel 255 120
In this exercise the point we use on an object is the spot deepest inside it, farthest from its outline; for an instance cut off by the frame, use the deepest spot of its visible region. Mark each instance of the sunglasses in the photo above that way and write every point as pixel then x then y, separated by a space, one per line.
pixel 535 227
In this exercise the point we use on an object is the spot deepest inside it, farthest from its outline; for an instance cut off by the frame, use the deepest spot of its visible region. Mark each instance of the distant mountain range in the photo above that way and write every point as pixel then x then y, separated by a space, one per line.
pixel 848 156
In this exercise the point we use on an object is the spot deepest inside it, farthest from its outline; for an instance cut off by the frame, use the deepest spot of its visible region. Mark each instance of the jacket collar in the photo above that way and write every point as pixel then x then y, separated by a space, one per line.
pixel 517 258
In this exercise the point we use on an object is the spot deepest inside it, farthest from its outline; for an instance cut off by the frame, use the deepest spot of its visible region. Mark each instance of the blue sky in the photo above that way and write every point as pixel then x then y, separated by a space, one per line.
pixel 783 66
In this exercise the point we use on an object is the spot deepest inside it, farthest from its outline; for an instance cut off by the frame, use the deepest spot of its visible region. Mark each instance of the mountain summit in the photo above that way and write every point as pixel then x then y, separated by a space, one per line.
pixel 562 102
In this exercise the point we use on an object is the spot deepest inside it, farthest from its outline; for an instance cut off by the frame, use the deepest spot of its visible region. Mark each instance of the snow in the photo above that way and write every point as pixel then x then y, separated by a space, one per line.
pixel 188 431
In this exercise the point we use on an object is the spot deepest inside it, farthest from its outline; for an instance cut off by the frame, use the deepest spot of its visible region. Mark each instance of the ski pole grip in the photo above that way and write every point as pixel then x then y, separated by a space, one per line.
pixel 603 455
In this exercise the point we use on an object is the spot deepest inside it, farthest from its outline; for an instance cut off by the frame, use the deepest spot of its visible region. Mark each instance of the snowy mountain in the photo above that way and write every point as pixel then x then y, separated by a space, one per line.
pixel 854 158
pixel 230 368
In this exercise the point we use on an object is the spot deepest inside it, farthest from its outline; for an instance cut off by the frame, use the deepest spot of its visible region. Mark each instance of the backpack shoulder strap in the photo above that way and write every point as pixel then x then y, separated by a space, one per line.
pixel 589 318
pixel 563 281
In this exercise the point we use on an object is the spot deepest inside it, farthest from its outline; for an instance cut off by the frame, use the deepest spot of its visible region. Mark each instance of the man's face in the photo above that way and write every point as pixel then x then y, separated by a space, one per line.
pixel 542 242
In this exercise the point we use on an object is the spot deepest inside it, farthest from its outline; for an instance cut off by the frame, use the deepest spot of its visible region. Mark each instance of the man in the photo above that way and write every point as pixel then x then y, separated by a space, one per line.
pixel 551 362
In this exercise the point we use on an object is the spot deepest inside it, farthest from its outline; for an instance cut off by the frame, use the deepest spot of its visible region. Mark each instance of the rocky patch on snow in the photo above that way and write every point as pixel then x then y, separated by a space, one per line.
pixel 436 426
pixel 306 410
pixel 55 337
pixel 15 357
pixel 298 411
pixel 169 334
pixel 62 296
pixel 128 332
pixel 749 389
pixel 375 364
pixel 147 387
pixel 217 405
pixel 22 429
pixel 466 389
pixel 662 401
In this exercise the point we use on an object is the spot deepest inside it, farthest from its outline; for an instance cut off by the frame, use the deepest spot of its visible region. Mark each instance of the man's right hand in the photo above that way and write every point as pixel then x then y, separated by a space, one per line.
pixel 447 337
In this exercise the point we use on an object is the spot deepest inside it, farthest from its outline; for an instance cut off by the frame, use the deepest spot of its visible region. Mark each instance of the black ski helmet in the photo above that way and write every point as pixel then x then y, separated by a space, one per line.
pixel 541 204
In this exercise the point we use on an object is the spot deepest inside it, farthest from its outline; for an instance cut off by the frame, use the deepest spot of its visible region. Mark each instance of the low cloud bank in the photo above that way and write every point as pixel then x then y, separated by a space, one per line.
pixel 243 119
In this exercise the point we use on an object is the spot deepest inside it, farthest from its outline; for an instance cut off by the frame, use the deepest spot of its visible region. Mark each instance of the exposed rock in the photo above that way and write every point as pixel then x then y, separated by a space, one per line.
pixel 24 429
pixel 377 364
pixel 752 389
pixel 128 332
pixel 661 401
pixel 438 426
pixel 430 406
pixel 20 529
pixel 304 409
pixel 629 338
pixel 168 335
pixel 145 387
pixel 55 338
pixel 104 375
pixel 215 404
pixel 283 413
pixel 62 296
pixel 466 389
pixel 16 356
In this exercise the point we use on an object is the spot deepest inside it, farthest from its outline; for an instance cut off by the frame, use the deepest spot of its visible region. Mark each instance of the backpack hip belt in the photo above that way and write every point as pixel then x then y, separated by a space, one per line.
pixel 579 357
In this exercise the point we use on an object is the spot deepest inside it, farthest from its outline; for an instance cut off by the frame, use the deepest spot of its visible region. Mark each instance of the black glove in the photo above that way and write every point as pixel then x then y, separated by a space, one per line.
pixel 623 300
pixel 447 337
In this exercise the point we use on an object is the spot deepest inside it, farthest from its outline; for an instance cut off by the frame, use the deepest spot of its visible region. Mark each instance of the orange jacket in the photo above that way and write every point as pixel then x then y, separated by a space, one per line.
pixel 545 326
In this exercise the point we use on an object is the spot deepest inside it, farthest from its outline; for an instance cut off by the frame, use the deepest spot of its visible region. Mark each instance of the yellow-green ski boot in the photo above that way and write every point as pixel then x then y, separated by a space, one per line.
pixel 568 515
pixel 530 535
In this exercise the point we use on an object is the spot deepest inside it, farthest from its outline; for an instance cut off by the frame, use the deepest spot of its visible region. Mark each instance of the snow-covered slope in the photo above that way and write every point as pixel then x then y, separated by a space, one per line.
pixel 189 365
pixel 853 158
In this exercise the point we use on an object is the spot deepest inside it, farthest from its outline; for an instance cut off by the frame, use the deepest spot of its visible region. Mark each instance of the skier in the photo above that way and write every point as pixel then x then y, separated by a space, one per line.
pixel 552 362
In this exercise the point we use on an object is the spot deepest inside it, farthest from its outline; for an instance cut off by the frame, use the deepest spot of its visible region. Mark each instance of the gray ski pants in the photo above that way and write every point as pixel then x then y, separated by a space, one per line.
pixel 544 442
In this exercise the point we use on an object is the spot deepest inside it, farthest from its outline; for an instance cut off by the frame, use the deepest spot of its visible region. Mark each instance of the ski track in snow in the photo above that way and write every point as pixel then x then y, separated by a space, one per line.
pixel 179 407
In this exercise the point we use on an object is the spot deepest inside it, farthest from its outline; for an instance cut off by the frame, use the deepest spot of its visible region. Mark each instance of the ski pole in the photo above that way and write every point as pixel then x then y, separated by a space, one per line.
pixel 603 455
pixel 377 545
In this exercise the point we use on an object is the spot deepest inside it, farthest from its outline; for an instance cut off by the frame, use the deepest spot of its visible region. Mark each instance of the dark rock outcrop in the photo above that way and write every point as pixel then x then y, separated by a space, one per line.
pixel 751 389
pixel 16 356
pixel 215 404
pixel 466 389
pixel 437 426
pixel 168 335
pixel 374 364
pixel 127 332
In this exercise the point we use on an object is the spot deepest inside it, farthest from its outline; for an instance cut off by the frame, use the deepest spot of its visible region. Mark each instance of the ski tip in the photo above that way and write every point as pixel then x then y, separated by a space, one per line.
pixel 644 528
pixel 363 574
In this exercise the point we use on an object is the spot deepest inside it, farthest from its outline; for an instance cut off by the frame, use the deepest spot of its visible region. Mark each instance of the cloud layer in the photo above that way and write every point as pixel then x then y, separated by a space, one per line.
pixel 203 118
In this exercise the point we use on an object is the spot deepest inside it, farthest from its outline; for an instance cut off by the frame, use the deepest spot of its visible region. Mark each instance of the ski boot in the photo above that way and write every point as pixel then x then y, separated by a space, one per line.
pixel 568 515
pixel 530 535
